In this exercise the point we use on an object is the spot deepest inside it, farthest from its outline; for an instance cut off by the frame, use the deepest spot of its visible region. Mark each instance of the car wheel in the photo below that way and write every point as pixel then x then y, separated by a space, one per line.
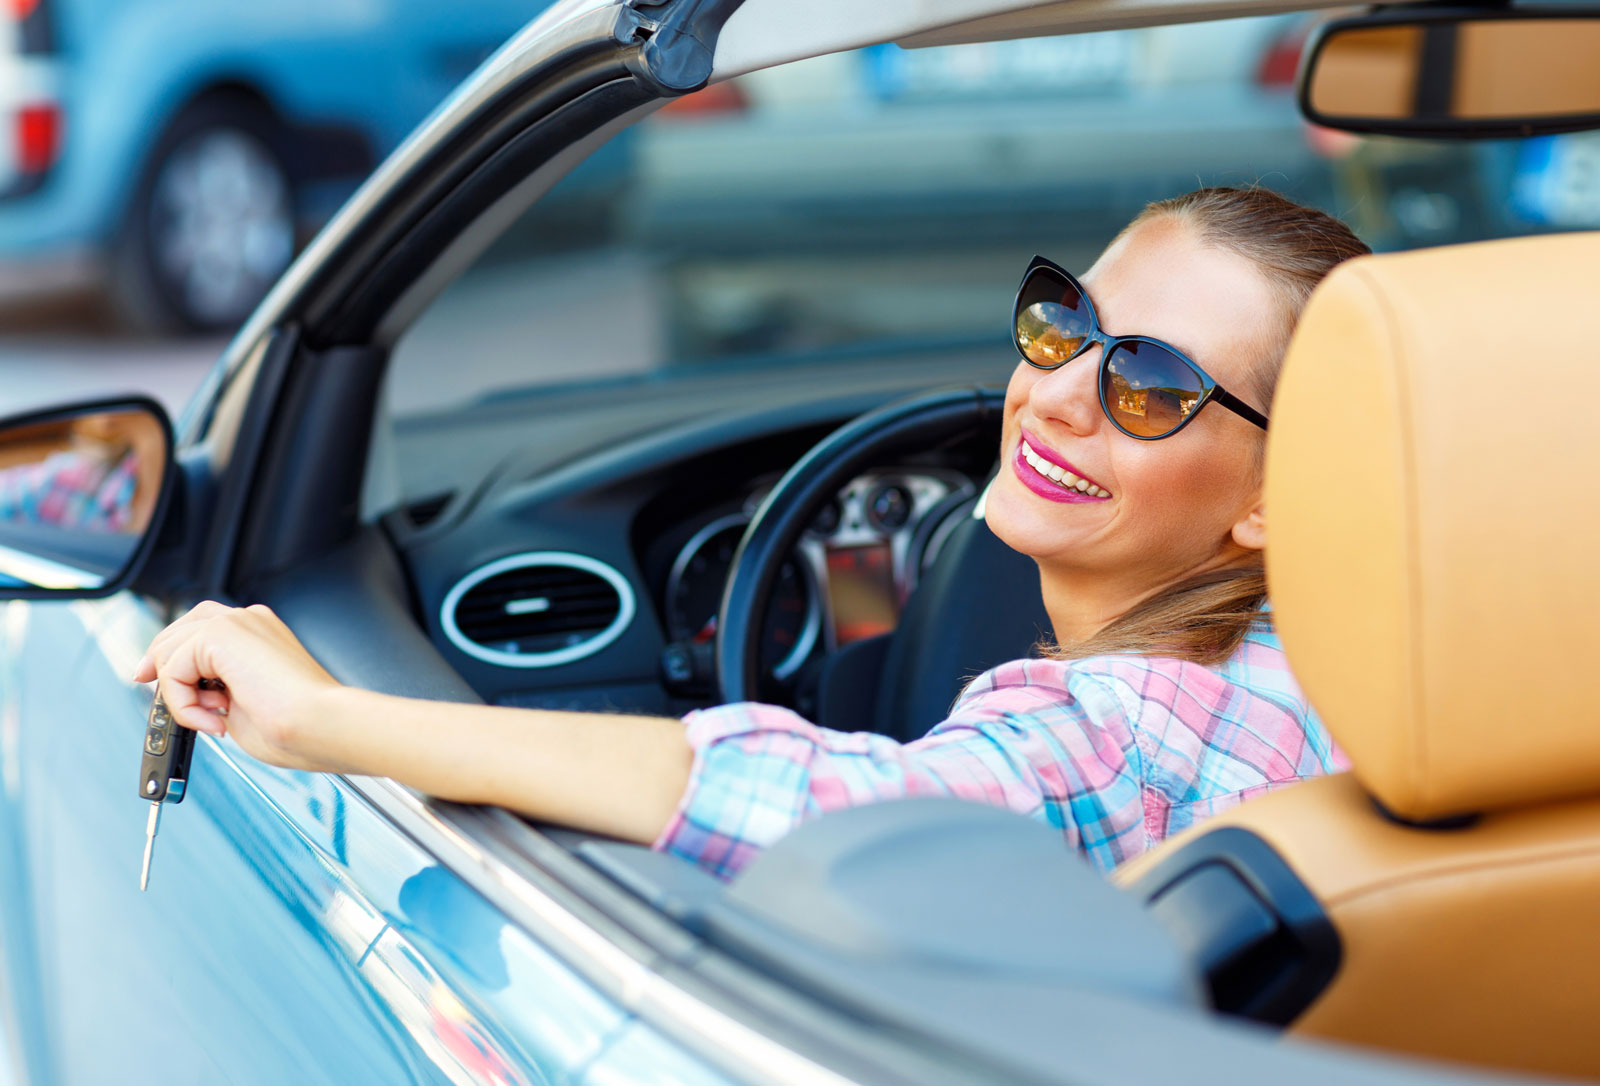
pixel 212 223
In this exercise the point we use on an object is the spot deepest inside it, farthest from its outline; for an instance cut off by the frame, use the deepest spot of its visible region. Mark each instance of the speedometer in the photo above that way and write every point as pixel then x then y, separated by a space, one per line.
pixel 694 596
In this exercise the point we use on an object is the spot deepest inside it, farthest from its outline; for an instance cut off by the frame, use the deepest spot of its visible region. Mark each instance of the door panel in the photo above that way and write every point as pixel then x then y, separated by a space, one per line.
pixel 290 932
pixel 641 1056
pixel 33 637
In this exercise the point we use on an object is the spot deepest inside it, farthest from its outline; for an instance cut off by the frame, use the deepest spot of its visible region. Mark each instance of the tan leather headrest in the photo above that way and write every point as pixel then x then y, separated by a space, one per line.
pixel 1433 511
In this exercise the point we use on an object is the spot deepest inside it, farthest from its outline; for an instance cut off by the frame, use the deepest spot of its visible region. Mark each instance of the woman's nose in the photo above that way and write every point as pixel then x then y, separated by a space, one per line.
pixel 1070 393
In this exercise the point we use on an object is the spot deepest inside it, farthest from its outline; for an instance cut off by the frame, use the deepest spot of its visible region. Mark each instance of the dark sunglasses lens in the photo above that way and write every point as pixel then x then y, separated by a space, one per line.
pixel 1148 390
pixel 1052 319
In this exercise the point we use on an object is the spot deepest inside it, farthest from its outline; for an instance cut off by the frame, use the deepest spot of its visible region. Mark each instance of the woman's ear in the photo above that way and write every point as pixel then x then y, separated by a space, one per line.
pixel 1250 530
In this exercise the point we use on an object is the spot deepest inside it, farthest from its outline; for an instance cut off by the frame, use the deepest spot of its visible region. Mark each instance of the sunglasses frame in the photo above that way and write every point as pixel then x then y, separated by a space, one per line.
pixel 1210 390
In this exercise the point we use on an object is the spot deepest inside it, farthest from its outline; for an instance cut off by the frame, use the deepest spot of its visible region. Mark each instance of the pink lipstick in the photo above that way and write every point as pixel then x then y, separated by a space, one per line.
pixel 1050 475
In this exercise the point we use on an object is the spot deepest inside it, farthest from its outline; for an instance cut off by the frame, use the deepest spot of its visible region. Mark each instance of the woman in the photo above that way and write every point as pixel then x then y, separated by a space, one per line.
pixel 1165 698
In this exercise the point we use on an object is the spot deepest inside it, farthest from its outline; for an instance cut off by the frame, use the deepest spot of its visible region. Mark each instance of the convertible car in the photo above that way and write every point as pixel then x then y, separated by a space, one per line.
pixel 474 449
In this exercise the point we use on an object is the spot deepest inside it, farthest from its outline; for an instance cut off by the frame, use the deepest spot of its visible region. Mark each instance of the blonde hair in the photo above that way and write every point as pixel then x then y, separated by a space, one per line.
pixel 1205 618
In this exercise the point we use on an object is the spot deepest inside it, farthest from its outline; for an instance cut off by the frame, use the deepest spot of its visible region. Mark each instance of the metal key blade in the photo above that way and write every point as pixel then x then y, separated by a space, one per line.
pixel 149 843
pixel 163 771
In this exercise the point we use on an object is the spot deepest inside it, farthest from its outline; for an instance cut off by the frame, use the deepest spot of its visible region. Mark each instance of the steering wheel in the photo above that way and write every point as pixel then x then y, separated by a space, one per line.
pixel 917 423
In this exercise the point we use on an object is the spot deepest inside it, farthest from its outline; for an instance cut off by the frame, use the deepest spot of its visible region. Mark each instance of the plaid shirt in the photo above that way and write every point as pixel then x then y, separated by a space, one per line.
pixel 1117 752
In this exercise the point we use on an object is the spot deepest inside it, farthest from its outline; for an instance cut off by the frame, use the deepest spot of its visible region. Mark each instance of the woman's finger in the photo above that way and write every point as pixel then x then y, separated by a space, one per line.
pixel 215 701
pixel 180 627
pixel 187 662
pixel 186 710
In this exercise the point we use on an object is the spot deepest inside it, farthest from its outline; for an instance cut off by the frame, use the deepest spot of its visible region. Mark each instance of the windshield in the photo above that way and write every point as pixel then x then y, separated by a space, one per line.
pixel 890 197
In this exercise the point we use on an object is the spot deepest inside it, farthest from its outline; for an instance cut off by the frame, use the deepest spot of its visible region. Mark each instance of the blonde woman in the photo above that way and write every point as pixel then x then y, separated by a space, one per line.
pixel 1131 470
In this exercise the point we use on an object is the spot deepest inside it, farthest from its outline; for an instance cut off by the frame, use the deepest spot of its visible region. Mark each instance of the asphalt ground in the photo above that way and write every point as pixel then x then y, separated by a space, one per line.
pixel 40 372
pixel 67 351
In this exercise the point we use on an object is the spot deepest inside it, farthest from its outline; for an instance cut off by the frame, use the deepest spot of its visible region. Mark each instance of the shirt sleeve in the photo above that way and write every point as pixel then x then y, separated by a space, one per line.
pixel 1033 736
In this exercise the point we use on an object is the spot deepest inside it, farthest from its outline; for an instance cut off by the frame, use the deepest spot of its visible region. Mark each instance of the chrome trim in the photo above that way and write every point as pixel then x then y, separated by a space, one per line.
pixel 722 1040
pixel 626 606
pixel 813 627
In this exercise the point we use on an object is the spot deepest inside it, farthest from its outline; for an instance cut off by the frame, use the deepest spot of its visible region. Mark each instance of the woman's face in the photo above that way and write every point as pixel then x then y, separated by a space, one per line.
pixel 1175 506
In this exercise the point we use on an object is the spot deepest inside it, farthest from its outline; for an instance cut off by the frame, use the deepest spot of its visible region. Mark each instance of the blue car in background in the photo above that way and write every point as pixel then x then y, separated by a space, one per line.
pixel 172 152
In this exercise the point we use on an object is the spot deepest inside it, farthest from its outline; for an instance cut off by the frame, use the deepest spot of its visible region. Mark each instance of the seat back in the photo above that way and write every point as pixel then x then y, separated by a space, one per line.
pixel 1434 561
pixel 976 608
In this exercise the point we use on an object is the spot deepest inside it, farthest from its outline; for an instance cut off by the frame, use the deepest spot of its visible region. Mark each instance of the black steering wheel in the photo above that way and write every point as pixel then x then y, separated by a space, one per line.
pixel 917 423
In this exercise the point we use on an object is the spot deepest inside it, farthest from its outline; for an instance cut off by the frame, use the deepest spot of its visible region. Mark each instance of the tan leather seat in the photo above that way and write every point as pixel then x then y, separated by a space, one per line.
pixel 1434 557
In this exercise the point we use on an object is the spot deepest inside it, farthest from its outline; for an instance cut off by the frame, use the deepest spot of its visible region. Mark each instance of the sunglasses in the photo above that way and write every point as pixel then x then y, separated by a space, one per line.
pixel 1148 389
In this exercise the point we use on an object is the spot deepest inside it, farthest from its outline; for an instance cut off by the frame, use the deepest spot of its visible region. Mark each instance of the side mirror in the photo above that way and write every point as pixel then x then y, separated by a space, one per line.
pixel 1464 73
pixel 82 493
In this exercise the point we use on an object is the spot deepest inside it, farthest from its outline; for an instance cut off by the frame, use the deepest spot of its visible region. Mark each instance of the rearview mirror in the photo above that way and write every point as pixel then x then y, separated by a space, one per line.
pixel 82 490
pixel 1467 73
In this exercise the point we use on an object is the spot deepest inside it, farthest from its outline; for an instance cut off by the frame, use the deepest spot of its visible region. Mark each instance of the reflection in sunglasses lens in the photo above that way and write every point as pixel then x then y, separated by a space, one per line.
pixel 1148 390
pixel 1052 321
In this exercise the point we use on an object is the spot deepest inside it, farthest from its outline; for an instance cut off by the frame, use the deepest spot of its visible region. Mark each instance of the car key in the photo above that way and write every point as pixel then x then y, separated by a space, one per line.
pixel 164 768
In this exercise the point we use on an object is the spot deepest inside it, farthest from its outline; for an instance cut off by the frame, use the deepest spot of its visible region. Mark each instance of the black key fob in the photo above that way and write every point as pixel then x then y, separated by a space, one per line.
pixel 168 746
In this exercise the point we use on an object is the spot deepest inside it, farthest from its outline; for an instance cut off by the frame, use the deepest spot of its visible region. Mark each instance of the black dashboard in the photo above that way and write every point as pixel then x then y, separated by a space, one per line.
pixel 568 550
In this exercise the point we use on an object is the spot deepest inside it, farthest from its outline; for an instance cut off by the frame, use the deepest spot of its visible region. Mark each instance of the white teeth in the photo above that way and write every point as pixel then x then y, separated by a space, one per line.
pixel 1056 473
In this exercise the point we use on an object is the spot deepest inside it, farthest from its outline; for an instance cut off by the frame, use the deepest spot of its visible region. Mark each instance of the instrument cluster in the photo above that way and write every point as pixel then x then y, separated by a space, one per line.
pixel 846 580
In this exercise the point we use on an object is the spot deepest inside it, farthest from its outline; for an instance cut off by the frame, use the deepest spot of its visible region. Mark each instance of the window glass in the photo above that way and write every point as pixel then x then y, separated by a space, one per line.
pixel 891 195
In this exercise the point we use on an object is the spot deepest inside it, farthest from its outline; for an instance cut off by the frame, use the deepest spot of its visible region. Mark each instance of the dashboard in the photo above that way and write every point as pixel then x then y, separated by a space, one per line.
pixel 576 557
pixel 846 581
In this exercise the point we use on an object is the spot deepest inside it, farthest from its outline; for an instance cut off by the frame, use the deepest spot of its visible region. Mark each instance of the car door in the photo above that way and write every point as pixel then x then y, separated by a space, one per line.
pixel 290 932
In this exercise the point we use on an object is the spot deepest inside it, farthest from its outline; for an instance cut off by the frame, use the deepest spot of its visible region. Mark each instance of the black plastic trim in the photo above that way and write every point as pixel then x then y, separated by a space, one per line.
pixel 235 468
pixel 350 294
pixel 614 58
pixel 352 609
pixel 1302 932
pixel 158 517
pixel 306 497
pixel 1430 16
pixel 683 42
pixel 409 251
pixel 179 547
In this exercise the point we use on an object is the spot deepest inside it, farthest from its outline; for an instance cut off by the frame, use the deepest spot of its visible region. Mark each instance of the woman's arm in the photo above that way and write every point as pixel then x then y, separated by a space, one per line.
pixel 1035 736
pixel 617 775
pixel 1039 737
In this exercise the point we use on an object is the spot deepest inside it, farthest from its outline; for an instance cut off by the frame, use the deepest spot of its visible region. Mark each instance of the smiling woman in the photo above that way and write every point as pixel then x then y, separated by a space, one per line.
pixel 1166 698
pixel 1225 272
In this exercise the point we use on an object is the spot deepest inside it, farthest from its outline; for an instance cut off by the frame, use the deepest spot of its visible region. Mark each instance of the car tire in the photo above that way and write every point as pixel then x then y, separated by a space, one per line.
pixel 211 225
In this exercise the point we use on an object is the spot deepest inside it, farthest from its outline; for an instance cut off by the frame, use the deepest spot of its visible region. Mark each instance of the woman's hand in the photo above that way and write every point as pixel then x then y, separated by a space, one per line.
pixel 275 694
pixel 612 774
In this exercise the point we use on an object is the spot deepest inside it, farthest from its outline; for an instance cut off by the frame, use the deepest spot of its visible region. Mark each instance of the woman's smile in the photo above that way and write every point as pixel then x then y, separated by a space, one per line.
pixel 1052 476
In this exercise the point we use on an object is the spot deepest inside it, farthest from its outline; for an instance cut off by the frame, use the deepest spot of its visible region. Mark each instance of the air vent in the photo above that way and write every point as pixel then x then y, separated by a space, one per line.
pixel 537 610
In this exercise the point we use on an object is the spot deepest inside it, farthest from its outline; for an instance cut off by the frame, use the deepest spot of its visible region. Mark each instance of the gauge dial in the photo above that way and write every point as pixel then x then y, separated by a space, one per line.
pixel 889 507
pixel 694 596
pixel 826 522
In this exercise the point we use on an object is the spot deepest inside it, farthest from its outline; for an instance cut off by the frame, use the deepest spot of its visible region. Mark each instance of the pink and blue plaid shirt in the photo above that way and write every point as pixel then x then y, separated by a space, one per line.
pixel 72 489
pixel 1117 752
